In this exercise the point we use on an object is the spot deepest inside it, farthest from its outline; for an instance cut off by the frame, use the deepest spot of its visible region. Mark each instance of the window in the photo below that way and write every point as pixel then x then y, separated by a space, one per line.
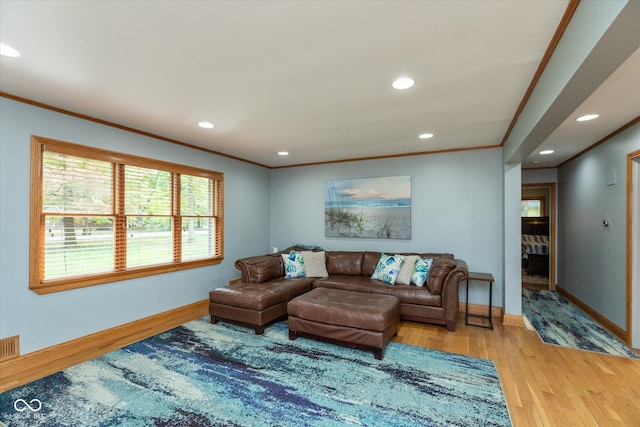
pixel 532 207
pixel 99 216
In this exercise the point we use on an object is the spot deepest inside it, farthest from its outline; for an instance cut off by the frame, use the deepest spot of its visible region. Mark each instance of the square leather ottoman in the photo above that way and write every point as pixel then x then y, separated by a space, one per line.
pixel 355 319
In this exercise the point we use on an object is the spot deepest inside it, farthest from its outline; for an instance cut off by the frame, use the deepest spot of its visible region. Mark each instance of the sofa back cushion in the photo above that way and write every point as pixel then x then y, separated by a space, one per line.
pixel 345 263
pixel 438 272
pixel 435 256
pixel 369 262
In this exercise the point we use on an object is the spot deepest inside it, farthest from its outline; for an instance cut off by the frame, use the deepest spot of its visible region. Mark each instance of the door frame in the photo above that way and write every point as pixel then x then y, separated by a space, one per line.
pixel 633 240
pixel 552 228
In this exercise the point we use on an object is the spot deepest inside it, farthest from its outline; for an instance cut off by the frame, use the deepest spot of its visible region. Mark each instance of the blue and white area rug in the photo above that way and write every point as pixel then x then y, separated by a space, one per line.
pixel 213 375
pixel 559 322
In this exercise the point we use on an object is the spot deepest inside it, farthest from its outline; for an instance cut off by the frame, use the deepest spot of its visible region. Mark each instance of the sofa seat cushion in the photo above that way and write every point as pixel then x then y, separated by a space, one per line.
pixel 260 296
pixel 407 294
pixel 343 308
pixel 410 294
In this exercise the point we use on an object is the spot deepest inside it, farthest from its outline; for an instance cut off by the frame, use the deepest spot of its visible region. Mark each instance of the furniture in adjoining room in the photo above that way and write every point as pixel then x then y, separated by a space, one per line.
pixel 535 245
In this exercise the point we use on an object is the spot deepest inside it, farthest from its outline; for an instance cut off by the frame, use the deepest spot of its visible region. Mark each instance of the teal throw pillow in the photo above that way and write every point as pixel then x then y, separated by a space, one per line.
pixel 293 265
pixel 421 271
pixel 388 268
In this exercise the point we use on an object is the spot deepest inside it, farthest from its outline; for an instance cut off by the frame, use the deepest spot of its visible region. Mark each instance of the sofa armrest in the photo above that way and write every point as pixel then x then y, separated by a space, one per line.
pixel 450 292
pixel 259 269
pixel 461 265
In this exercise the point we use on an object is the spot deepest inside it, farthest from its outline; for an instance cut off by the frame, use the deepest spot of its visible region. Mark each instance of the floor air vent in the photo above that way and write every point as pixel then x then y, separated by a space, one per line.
pixel 9 348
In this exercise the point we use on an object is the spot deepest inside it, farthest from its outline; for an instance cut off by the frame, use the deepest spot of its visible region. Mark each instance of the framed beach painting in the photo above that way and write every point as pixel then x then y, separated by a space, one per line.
pixel 377 208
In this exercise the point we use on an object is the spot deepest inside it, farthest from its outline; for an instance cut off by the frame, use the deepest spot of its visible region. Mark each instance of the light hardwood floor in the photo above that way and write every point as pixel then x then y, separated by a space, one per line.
pixel 544 385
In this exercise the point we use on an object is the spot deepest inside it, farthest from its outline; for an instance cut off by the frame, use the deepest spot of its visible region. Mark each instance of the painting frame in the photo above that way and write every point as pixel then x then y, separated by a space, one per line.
pixel 377 207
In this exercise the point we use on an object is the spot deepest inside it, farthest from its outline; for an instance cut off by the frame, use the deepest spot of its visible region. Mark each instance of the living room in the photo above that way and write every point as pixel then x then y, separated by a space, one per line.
pixel 464 202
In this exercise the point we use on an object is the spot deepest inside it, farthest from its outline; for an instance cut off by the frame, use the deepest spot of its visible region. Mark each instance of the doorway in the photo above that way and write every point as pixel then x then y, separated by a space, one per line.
pixel 538 211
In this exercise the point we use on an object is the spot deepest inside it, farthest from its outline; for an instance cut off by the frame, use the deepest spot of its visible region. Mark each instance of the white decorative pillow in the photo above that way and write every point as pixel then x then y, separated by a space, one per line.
pixel 404 277
pixel 388 268
pixel 421 271
pixel 315 264
pixel 293 265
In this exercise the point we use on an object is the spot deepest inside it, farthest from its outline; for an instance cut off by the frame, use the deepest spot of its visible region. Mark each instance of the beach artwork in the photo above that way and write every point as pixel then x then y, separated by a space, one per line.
pixel 377 208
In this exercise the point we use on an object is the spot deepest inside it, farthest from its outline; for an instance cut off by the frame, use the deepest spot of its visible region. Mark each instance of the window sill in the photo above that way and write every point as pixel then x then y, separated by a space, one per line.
pixel 69 283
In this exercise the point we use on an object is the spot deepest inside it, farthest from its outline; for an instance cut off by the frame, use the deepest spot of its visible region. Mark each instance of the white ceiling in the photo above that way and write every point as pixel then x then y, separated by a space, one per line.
pixel 311 77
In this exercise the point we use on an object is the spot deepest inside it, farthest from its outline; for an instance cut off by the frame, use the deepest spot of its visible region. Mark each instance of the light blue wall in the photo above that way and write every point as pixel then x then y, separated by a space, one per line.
pixel 46 320
pixel 512 230
pixel 537 176
pixel 456 208
pixel 593 266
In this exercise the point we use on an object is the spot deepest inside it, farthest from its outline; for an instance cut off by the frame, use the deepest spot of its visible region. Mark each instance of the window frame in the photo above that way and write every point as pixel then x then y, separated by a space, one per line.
pixel 37 230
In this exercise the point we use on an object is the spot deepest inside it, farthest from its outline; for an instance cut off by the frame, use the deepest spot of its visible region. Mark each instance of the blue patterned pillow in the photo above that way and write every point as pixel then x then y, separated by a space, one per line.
pixel 293 265
pixel 388 268
pixel 421 271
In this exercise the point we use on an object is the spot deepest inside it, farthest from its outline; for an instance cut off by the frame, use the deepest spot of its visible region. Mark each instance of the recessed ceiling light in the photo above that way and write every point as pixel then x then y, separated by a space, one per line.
pixel 206 125
pixel 6 50
pixel 543 152
pixel 425 136
pixel 587 117
pixel 283 153
pixel 403 83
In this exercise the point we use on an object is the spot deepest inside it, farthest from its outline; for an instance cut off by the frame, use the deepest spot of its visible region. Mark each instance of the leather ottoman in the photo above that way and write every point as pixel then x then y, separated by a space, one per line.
pixel 355 319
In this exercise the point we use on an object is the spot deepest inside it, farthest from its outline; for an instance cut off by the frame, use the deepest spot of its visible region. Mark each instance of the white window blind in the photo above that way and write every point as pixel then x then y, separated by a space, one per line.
pixel 147 201
pixel 77 214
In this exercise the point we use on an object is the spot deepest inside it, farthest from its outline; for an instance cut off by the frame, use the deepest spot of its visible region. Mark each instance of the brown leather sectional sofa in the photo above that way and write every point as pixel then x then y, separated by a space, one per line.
pixel 263 294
